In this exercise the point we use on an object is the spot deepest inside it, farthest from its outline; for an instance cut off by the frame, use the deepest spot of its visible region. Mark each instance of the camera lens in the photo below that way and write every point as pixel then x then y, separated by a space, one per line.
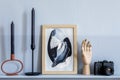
pixel 107 70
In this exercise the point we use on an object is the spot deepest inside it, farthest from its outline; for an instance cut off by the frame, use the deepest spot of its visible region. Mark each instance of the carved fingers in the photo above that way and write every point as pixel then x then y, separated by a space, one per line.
pixel 86 56
pixel 86 46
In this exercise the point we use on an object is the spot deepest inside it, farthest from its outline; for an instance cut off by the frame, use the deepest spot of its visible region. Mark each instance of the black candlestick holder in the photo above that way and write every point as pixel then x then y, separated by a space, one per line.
pixel 32 73
pixel 32 43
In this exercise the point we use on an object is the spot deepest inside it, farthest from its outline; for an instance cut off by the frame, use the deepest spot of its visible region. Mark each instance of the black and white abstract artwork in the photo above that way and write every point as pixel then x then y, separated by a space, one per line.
pixel 59 49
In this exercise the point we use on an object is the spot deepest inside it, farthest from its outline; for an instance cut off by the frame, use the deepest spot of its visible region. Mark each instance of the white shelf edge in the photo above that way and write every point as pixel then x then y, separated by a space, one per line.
pixel 57 76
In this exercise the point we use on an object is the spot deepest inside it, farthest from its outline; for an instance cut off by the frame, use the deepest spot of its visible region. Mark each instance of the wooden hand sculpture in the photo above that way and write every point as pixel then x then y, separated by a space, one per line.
pixel 86 56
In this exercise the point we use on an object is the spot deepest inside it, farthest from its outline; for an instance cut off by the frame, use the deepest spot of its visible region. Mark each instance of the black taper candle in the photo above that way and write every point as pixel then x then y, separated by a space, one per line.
pixel 33 29
pixel 12 38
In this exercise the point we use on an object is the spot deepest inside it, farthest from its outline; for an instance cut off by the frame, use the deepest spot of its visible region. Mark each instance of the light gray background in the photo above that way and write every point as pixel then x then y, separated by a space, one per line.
pixel 97 20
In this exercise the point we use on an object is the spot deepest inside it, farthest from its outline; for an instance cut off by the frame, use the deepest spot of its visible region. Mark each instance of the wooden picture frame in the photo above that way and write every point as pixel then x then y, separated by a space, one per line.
pixel 59 56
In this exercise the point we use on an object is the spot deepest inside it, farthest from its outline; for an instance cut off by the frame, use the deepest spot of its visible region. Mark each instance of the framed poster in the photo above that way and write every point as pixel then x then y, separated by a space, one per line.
pixel 59 49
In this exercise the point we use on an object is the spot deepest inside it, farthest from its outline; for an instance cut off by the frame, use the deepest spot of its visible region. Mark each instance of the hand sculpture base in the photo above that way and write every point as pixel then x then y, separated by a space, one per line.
pixel 86 69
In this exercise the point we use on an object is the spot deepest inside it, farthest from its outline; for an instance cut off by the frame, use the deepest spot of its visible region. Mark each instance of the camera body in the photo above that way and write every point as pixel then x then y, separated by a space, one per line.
pixel 104 68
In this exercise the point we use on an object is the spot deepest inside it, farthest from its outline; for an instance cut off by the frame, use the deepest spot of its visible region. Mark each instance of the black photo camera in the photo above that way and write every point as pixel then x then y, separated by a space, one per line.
pixel 104 68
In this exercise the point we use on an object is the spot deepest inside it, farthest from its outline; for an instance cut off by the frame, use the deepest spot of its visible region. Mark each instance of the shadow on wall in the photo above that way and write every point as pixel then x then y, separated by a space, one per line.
pixel 80 65
pixel 39 69
pixel 2 44
pixel 24 41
